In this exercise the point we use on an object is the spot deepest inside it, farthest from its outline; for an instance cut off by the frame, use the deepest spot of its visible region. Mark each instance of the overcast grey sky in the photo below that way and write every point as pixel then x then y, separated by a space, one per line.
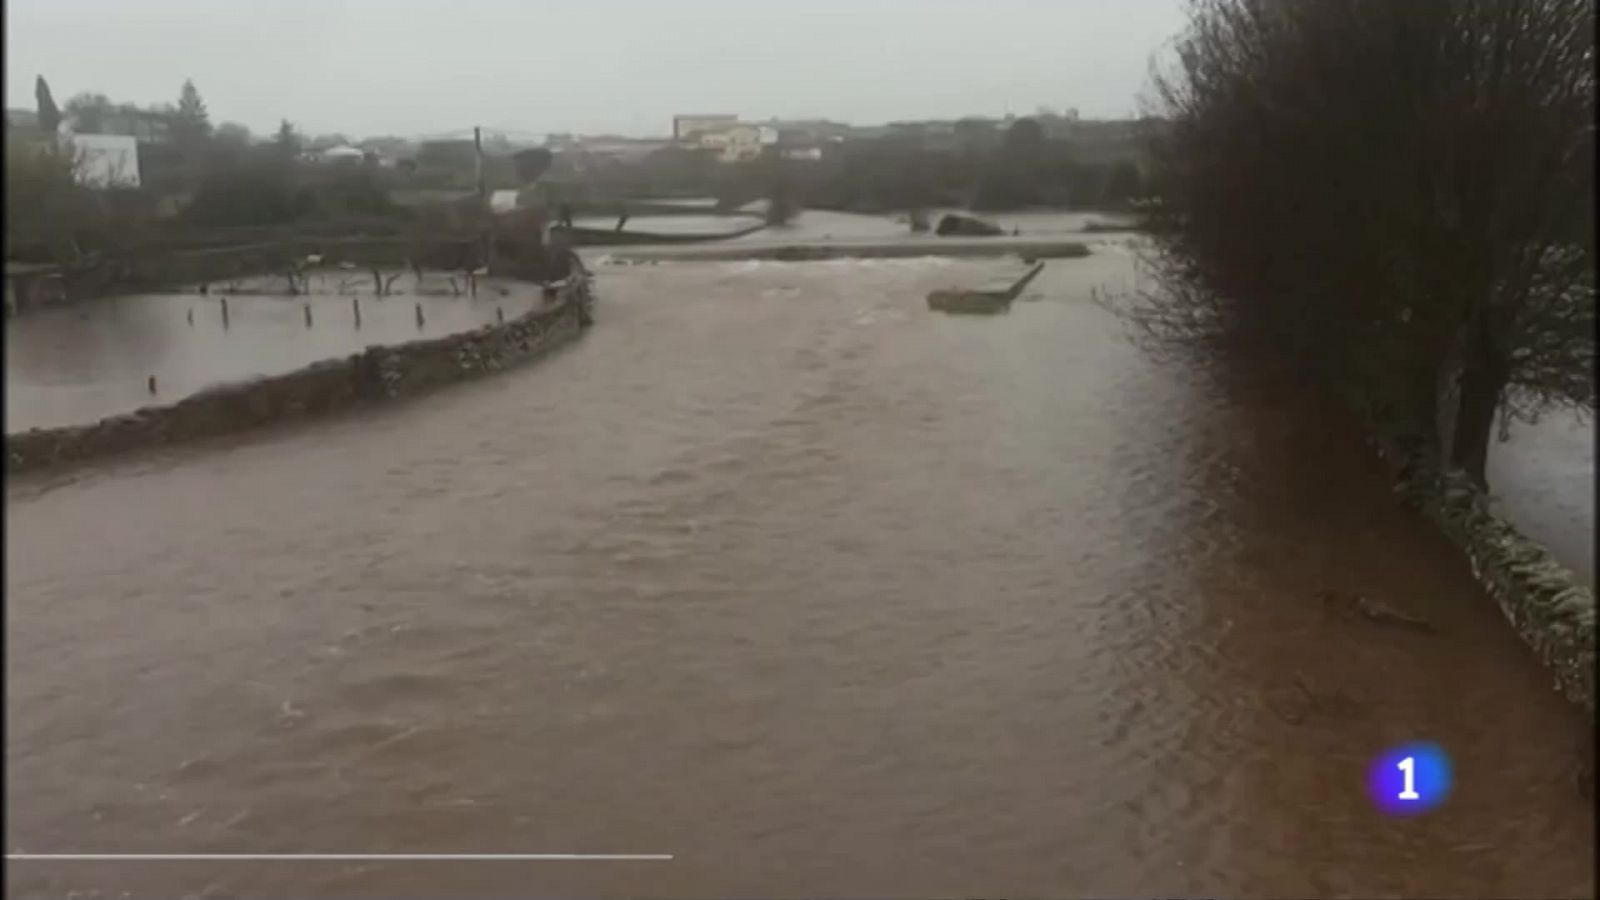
pixel 369 67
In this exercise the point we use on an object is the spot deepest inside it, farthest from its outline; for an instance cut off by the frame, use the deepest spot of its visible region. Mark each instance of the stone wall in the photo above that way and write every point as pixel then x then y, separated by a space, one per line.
pixel 610 237
pixel 1549 606
pixel 1027 248
pixel 376 374
pixel 994 297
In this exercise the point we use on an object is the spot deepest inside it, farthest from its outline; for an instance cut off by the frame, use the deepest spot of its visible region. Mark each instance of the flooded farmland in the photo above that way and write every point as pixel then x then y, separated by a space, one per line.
pixel 71 365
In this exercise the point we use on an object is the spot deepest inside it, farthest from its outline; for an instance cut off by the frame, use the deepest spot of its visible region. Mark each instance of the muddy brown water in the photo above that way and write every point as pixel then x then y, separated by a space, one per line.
pixel 778 573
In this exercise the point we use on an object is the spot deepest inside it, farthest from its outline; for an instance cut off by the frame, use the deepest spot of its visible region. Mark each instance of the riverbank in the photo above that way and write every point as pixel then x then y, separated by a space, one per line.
pixel 379 373
pixel 1548 605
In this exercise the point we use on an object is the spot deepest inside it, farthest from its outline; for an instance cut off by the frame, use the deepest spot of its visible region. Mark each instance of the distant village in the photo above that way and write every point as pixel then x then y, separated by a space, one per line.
pixel 93 181
pixel 125 146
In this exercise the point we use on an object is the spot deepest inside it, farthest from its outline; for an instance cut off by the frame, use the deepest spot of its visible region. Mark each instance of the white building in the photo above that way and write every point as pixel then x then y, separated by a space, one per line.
pixel 504 200
pixel 106 160
pixel 738 143
pixel 684 128
pixel 343 154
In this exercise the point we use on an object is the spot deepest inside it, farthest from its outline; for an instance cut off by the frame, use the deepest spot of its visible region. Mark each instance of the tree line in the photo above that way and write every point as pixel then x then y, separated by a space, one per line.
pixel 189 121
pixel 1025 168
pixel 228 177
pixel 1397 195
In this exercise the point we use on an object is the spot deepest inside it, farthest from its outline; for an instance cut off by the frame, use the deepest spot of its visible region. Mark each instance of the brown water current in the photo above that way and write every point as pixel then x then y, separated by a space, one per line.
pixel 779 573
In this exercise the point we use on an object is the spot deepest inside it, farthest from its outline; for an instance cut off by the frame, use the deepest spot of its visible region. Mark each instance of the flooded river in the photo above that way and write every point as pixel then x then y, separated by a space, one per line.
pixel 778 573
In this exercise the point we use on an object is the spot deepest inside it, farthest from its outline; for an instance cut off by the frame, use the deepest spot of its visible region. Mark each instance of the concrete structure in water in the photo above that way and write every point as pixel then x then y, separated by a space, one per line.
pixel 994 297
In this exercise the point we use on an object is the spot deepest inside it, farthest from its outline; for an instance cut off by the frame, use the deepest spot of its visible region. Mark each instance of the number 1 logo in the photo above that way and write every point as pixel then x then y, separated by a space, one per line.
pixel 1408 766
pixel 1409 779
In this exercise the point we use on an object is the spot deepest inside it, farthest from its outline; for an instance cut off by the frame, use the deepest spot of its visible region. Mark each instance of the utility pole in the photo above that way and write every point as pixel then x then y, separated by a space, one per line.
pixel 483 196
pixel 477 145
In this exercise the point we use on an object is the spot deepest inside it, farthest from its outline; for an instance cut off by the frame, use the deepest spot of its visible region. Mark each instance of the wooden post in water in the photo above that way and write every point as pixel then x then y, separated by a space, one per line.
pixel 308 315
pixel 355 304
pixel 224 313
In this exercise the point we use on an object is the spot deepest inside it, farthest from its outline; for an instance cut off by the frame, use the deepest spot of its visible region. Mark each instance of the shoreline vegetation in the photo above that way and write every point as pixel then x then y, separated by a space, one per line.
pixel 1422 244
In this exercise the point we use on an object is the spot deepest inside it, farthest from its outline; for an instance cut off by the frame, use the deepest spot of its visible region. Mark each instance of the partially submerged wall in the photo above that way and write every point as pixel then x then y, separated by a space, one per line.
pixel 1548 605
pixel 1026 248
pixel 376 374
pixel 991 298
pixel 610 237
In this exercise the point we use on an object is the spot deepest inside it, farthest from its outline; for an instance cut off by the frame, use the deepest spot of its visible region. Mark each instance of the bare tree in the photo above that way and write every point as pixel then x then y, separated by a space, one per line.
pixel 87 112
pixel 1398 195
